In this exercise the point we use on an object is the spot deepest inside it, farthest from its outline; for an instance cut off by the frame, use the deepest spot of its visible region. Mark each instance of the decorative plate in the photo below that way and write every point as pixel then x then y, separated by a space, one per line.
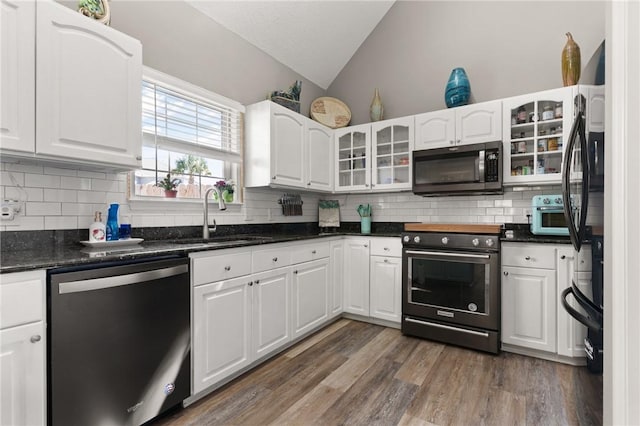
pixel 331 112
pixel 116 243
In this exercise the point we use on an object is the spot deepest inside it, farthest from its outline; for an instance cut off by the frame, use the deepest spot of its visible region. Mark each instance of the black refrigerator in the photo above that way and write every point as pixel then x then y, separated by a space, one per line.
pixel 582 182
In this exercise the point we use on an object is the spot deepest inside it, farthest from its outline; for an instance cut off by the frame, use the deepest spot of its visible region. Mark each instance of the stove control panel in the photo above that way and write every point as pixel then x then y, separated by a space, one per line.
pixel 452 240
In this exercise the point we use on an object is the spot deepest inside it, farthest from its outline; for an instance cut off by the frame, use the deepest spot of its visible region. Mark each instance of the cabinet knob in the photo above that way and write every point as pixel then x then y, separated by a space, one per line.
pixel 313 252
pixel 36 338
pixel 372 185
pixel 273 178
pixel 563 257
pixel 139 158
pixel 275 259
pixel 386 261
pixel 451 142
pixel 505 273
pixel 458 142
pixel 386 249
pixel 309 183
pixel 295 272
pixel 366 245
pixel 257 282
pixel 227 268
pixel 366 185
pixel 250 283
pixel 527 258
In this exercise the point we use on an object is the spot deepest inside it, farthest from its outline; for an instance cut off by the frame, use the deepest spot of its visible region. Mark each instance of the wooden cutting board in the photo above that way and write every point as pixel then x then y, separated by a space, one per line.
pixel 467 228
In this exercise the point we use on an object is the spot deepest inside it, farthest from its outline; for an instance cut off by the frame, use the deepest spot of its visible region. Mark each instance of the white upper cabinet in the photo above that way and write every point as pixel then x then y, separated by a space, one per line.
pixel 88 98
pixel 286 149
pixel 464 125
pixel 17 79
pixel 87 106
pixel 375 156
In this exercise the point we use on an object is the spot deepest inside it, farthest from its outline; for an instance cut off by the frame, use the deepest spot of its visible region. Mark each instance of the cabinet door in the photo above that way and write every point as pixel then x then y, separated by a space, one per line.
pixel 18 78
pixel 435 129
pixel 310 295
pixel 353 146
pixel 533 140
pixel 529 308
pixel 391 145
pixel 479 123
pixel 386 288
pixel 336 292
pixel 356 276
pixel 221 330
pixel 571 333
pixel 271 314
pixel 319 159
pixel 89 80
pixel 287 147
pixel 22 375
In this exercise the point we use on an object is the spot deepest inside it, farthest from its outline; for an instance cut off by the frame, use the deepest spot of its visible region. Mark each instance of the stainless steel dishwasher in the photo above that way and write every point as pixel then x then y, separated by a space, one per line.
pixel 119 341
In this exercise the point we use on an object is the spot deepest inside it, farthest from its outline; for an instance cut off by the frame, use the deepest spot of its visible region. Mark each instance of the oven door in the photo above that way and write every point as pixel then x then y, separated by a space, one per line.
pixel 455 287
pixel 549 221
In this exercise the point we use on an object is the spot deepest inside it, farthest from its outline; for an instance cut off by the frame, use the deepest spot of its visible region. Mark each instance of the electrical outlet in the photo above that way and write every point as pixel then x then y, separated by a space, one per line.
pixel 9 209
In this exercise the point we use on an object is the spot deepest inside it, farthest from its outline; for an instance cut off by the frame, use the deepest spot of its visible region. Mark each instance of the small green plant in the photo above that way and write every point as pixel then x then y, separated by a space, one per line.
pixel 169 184
pixel 225 186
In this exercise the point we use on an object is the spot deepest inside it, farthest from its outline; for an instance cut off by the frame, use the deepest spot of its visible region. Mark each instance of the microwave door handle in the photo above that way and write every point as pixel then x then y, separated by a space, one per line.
pixel 480 169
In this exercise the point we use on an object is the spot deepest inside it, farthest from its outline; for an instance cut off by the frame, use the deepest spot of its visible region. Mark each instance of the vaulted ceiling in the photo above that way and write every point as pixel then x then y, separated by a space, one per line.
pixel 314 38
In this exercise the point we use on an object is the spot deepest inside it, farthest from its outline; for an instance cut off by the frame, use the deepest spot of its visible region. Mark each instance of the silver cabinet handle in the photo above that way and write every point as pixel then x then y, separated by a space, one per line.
pixel 505 273
pixel 36 338
pixel 227 268
pixel 115 281
pixel 275 259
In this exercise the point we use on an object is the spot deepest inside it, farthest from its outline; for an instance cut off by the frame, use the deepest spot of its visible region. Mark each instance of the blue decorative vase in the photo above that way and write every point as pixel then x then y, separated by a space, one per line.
pixel 458 89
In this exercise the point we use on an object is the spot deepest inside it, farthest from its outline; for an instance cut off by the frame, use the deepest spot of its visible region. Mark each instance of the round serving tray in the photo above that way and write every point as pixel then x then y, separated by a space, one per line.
pixel 331 112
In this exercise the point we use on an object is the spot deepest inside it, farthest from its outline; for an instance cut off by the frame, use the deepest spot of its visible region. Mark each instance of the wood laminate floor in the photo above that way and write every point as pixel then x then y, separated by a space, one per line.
pixel 354 373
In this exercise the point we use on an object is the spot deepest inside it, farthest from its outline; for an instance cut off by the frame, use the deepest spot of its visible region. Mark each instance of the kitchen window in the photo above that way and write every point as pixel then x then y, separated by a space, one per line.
pixel 191 134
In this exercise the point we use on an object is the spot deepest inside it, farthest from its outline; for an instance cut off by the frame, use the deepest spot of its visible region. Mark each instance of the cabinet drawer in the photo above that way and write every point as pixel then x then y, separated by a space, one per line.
pixel 529 255
pixel 21 298
pixel 264 260
pixel 309 252
pixel 381 246
pixel 211 268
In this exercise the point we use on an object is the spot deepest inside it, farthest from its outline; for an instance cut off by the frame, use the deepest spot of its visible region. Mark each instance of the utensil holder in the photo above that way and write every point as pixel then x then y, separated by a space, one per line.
pixel 365 225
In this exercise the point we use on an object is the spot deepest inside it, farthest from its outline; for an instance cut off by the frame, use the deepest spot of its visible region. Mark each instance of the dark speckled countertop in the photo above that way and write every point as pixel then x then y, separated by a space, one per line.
pixel 521 233
pixel 29 250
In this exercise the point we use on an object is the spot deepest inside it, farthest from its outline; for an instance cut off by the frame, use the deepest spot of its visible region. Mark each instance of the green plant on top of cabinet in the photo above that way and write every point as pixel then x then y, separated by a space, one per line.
pixel 286 149
pixel 88 76
pixel 374 157
pixel 464 125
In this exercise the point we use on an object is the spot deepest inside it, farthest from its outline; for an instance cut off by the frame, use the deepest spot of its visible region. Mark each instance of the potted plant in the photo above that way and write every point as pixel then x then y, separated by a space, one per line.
pixel 169 186
pixel 226 189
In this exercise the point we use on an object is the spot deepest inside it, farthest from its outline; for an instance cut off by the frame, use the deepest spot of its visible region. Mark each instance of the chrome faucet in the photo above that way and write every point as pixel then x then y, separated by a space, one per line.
pixel 221 206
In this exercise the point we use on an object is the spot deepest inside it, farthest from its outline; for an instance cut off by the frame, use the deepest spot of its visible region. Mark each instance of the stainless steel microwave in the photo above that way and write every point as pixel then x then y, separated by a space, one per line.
pixel 461 169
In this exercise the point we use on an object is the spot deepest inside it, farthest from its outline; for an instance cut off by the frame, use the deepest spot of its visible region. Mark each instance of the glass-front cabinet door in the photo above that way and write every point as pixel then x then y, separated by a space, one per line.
pixel 392 141
pixel 535 133
pixel 353 153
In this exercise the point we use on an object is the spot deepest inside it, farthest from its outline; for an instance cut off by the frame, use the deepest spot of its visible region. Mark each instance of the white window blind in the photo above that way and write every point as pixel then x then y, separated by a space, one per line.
pixel 192 134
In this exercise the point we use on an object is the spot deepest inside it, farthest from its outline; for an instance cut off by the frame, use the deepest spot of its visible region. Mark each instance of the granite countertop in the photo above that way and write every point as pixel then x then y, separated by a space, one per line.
pixel 15 258
pixel 521 233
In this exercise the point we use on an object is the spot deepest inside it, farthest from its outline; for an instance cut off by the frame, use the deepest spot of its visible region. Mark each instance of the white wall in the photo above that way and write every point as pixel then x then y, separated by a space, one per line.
pixel 65 198
pixel 507 48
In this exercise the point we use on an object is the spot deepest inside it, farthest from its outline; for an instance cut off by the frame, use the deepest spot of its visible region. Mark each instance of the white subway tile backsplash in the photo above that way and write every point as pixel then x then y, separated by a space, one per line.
pixel 43 209
pixel 105 185
pixel 86 174
pixel 69 182
pixel 26 168
pixel 60 222
pixel 495 211
pixel 61 195
pixel 33 194
pixel 41 181
pixel 5 178
pixel 60 172
pixel 92 197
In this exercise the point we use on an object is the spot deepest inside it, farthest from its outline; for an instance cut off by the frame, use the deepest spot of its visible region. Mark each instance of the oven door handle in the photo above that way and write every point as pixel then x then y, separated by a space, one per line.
pixel 442 254
pixel 547 208
pixel 446 327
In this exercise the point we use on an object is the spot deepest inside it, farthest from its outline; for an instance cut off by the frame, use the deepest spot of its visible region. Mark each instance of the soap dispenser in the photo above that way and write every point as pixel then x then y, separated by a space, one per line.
pixel 97 230
pixel 112 223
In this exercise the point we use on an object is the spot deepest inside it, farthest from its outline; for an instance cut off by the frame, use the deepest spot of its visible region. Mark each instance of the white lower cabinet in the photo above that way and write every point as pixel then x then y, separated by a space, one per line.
pixel 336 284
pixel 310 295
pixel 533 278
pixel 356 276
pixel 271 317
pixel 221 330
pixel 22 348
pixel 386 288
pixel 529 307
